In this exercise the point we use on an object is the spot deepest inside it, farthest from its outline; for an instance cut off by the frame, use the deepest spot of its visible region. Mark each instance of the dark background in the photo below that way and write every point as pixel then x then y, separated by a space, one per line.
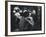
pixel 37 18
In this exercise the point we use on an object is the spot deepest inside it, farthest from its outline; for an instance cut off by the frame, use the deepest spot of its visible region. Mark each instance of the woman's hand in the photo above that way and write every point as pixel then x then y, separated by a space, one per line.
pixel 30 20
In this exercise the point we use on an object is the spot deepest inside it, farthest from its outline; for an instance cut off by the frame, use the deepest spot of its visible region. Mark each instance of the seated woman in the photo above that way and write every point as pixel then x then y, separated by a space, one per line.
pixel 26 22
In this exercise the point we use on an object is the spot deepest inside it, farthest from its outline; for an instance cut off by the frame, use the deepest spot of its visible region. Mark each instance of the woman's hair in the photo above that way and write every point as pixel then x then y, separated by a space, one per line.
pixel 26 14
